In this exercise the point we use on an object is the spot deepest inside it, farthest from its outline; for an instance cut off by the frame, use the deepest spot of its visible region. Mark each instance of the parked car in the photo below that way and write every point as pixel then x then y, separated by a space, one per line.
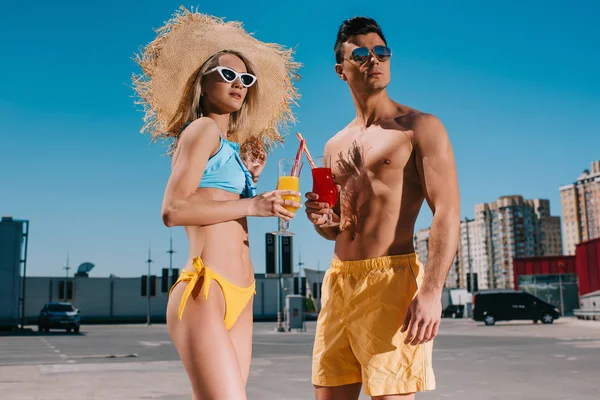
pixel 59 316
pixel 493 306
pixel 454 311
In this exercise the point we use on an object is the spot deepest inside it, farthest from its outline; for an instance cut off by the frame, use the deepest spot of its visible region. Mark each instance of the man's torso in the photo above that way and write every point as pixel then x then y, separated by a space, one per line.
pixel 381 192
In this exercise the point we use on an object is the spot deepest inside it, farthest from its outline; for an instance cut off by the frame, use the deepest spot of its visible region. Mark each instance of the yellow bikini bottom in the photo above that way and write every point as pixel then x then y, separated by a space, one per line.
pixel 236 298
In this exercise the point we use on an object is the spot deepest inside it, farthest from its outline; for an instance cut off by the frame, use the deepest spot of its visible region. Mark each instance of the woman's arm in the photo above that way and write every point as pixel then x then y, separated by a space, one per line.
pixel 181 207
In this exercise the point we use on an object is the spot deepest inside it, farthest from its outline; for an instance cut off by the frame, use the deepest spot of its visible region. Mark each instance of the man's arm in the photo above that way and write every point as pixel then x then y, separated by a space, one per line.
pixel 319 213
pixel 437 171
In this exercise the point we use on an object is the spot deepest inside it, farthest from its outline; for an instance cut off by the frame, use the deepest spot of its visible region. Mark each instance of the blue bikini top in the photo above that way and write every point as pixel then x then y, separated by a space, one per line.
pixel 225 170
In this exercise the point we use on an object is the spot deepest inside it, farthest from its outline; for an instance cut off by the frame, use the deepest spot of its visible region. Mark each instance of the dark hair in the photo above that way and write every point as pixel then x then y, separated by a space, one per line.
pixel 353 27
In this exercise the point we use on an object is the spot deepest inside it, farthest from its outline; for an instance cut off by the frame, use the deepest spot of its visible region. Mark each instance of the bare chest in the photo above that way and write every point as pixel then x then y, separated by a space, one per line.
pixel 383 156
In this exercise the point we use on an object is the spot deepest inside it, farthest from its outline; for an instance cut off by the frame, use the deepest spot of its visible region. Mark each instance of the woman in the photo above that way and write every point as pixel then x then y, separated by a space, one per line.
pixel 200 85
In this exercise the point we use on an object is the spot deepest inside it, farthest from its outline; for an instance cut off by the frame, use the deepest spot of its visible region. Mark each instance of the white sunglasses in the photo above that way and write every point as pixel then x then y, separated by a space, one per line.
pixel 230 75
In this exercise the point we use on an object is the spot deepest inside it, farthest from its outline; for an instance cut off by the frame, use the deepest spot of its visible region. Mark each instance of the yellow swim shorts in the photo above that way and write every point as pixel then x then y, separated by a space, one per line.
pixel 358 337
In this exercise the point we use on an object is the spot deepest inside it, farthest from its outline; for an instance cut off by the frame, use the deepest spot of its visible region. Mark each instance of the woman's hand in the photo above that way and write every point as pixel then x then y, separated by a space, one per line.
pixel 271 204
pixel 256 164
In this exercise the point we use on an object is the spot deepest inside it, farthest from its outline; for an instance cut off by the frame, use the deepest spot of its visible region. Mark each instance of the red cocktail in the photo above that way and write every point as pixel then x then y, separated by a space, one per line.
pixel 324 185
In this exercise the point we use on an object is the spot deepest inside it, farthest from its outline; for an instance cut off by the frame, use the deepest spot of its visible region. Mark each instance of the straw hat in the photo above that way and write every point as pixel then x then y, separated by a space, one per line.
pixel 170 64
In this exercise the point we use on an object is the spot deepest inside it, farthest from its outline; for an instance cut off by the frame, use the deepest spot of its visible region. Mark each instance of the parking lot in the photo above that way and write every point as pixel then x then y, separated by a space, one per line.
pixel 472 361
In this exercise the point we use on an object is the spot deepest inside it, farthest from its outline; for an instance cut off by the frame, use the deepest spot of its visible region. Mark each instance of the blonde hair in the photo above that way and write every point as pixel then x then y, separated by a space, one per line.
pixel 238 120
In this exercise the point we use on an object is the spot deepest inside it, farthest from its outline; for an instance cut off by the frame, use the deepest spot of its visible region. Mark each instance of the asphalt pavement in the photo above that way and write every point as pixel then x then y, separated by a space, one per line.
pixel 471 361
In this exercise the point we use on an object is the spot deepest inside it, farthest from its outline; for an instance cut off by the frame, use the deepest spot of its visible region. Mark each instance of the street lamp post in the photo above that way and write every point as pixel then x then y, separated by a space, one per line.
pixel 471 277
pixel 280 327
pixel 171 251
pixel 66 268
pixel 149 262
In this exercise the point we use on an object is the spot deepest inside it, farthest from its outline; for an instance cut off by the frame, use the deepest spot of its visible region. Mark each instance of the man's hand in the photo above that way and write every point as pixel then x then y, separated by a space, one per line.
pixel 318 213
pixel 423 317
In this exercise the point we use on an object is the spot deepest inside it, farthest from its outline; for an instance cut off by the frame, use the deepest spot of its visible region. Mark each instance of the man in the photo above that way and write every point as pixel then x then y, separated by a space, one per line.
pixel 381 308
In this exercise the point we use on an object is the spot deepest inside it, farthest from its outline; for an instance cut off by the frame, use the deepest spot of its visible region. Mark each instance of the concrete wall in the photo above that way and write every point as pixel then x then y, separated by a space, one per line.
pixel 37 293
pixel 129 303
pixel 120 299
pixel 589 306
pixel 591 302
pixel 265 301
pixel 90 296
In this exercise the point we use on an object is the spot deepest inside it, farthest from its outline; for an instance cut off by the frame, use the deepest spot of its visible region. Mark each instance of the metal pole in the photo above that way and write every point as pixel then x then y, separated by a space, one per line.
pixel 299 277
pixel 279 282
pixel 560 288
pixel 489 249
pixel 471 277
pixel 24 261
pixel 67 268
pixel 149 261
pixel 300 264
pixel 171 251
pixel 67 271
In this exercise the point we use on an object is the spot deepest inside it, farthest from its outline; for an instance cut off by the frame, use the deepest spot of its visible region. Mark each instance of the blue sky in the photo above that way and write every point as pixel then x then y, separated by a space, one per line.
pixel 515 83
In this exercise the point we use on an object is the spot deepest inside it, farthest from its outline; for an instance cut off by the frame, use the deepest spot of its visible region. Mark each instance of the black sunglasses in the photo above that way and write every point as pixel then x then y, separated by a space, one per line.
pixel 362 54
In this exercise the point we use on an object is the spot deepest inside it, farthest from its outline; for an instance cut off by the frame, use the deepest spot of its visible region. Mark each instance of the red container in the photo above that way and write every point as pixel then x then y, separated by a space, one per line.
pixel 324 186
pixel 588 266
pixel 543 266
